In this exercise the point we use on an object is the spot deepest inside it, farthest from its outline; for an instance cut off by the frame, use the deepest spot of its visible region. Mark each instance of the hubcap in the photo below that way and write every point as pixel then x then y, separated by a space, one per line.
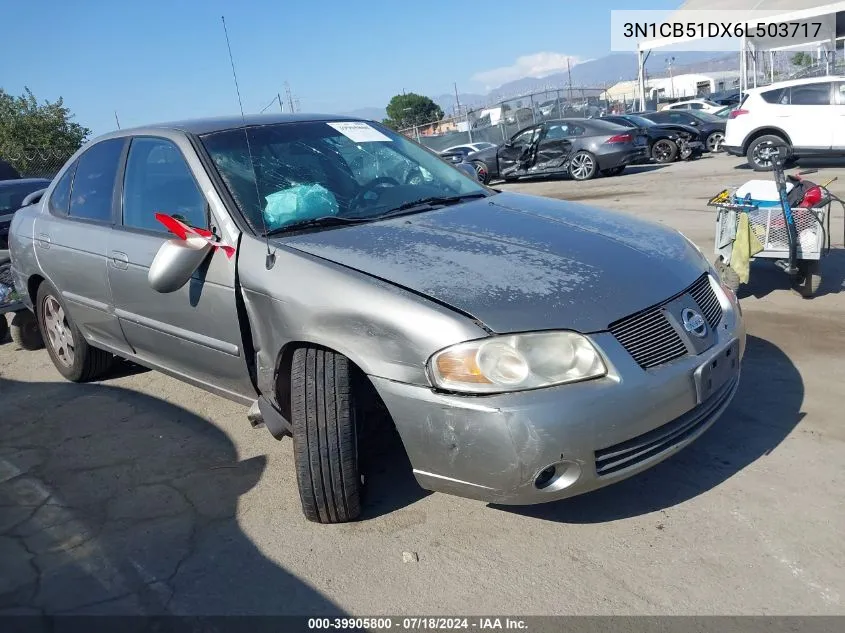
pixel 661 151
pixel 764 153
pixel 480 171
pixel 582 166
pixel 58 331
pixel 714 142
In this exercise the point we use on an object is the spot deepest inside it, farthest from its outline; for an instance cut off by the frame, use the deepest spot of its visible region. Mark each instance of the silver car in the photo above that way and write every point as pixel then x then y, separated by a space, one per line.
pixel 322 268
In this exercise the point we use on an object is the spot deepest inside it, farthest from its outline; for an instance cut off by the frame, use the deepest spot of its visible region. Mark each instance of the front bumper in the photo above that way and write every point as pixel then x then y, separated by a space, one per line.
pixel 492 448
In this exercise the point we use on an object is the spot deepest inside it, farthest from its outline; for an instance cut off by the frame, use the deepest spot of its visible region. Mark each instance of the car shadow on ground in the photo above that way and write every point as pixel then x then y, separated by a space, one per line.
pixel 115 502
pixel 765 277
pixel 750 428
pixel 827 162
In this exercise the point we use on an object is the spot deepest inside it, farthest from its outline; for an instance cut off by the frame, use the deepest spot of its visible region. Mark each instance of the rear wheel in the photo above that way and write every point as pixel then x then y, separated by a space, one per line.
pixel 763 149
pixel 4 327
pixel 664 151
pixel 714 141
pixel 324 415
pixel 73 357
pixel 481 172
pixel 583 166
pixel 727 275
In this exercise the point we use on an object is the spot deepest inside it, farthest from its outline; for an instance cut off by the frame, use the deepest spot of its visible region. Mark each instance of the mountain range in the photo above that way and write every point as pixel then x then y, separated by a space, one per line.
pixel 596 73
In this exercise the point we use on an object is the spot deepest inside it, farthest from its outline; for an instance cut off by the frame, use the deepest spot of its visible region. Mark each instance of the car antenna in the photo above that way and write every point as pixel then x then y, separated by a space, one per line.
pixel 271 256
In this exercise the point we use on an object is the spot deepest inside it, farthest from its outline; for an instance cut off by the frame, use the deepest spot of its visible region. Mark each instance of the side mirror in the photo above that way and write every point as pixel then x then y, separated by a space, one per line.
pixel 174 264
pixel 34 197
pixel 468 169
pixel 508 144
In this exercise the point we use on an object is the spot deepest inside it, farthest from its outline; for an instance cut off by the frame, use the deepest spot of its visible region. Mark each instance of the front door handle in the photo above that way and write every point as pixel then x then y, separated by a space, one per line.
pixel 43 240
pixel 119 260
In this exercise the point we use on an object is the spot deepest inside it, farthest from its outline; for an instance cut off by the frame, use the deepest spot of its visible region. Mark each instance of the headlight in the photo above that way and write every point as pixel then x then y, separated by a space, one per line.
pixel 516 362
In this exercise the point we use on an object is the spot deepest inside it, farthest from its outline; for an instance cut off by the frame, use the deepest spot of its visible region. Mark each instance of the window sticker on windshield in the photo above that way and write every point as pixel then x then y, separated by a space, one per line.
pixel 359 132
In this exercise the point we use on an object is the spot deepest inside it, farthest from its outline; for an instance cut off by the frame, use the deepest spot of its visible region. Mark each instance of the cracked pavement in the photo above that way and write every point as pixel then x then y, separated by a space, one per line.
pixel 139 494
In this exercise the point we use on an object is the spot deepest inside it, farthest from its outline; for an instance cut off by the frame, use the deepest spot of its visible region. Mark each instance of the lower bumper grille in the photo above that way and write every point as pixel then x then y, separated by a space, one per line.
pixel 643 447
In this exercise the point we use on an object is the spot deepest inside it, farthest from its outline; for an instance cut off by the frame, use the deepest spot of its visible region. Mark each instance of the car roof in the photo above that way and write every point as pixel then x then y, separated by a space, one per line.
pixel 220 124
pixel 795 82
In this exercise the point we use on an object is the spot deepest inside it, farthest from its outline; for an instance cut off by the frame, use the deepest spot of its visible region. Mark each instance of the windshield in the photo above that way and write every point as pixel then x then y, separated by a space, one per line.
pixel 317 169
pixel 638 120
pixel 12 194
pixel 706 116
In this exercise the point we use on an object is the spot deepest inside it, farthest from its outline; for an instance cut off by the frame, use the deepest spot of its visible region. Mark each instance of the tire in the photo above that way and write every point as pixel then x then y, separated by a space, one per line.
pixel 80 363
pixel 583 166
pixel 664 151
pixel 25 332
pixel 613 171
pixel 809 279
pixel 755 154
pixel 324 416
pixel 4 328
pixel 481 172
pixel 714 142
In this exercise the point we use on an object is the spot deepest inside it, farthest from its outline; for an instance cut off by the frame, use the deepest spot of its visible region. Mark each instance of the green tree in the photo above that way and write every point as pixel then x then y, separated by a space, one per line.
pixel 410 109
pixel 801 59
pixel 27 126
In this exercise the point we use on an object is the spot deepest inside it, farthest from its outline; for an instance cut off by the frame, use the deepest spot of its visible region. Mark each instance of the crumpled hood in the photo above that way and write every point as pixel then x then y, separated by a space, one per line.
pixel 519 263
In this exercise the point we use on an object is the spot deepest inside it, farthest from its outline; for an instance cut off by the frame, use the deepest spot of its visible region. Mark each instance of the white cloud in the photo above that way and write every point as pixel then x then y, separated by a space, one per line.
pixel 536 65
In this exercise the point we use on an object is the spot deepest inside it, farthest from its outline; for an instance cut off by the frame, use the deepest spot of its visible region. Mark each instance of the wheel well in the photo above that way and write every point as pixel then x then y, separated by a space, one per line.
pixel 764 132
pixel 284 363
pixel 32 286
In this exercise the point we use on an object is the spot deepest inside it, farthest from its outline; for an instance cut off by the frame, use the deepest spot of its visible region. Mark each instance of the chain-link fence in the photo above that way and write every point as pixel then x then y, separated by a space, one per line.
pixel 37 162
pixel 498 122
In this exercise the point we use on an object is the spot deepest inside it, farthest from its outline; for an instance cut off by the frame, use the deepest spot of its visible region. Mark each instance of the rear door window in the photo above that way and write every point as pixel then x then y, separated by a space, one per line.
pixel 810 94
pixel 93 185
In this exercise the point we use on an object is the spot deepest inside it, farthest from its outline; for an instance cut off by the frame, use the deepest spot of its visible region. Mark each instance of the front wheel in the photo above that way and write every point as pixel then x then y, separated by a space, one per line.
pixel 583 166
pixel 73 357
pixel 809 279
pixel 324 416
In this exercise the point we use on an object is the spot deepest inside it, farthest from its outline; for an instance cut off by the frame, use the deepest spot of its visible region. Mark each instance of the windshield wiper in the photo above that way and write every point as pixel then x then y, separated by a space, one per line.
pixel 325 221
pixel 424 204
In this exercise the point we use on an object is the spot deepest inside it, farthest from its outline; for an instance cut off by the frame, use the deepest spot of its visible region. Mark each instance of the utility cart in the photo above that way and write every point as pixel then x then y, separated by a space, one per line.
pixel 789 219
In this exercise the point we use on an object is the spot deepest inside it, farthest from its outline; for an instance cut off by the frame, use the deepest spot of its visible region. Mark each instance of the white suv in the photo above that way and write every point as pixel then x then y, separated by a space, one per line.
pixel 804 116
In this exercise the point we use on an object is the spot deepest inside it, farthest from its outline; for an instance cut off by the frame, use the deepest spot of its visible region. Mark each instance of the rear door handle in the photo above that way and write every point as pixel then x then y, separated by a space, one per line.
pixel 119 260
pixel 43 240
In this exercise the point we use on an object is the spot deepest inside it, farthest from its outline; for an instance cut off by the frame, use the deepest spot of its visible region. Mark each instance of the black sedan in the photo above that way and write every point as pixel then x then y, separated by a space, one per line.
pixel 579 148
pixel 667 142
pixel 711 129
pixel 12 195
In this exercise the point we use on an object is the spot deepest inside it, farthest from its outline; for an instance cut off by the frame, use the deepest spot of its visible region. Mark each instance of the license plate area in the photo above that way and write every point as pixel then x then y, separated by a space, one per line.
pixel 712 375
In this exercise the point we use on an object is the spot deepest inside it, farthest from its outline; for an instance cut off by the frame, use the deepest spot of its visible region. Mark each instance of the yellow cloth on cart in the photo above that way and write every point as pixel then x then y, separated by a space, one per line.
pixel 746 245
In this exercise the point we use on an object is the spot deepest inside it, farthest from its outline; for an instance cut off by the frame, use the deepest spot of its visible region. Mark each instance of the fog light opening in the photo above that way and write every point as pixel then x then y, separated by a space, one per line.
pixel 545 477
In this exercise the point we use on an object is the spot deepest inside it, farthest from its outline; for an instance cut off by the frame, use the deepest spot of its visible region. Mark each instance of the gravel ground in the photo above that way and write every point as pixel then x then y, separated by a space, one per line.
pixel 139 494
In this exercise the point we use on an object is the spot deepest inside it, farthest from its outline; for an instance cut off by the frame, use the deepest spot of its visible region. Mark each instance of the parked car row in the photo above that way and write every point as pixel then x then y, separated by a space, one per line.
pixel 582 148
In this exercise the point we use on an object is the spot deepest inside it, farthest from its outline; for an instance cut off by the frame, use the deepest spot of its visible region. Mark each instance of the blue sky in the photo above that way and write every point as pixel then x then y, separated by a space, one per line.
pixel 158 60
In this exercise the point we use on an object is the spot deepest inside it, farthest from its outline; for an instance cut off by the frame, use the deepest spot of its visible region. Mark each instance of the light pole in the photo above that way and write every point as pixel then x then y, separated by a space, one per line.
pixel 670 61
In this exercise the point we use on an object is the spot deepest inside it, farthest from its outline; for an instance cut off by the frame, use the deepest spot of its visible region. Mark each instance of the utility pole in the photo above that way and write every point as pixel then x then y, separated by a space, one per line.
pixel 457 100
pixel 569 74
pixel 281 107
pixel 670 61
pixel 116 120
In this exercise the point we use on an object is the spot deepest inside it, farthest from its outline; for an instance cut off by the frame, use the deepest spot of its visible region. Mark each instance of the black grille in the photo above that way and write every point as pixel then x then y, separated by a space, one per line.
pixel 702 292
pixel 649 337
pixel 643 447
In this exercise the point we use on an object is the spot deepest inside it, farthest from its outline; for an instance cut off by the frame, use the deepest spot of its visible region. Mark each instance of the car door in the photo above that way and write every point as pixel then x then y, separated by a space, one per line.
pixel 72 240
pixel 515 156
pixel 554 146
pixel 193 332
pixel 810 117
